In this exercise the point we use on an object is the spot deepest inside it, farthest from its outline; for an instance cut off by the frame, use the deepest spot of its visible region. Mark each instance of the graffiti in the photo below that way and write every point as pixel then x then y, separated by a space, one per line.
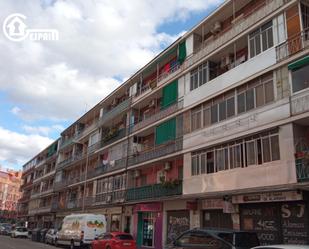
pixel 177 223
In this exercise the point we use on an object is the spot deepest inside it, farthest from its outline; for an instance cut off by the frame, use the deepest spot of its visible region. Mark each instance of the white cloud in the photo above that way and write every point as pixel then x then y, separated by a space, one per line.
pixel 42 130
pixel 17 148
pixel 99 40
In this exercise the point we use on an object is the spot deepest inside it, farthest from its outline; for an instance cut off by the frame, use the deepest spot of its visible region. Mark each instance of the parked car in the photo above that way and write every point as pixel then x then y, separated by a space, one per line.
pixel 114 240
pixel 80 229
pixel 5 229
pixel 50 236
pixel 19 232
pixel 282 247
pixel 216 239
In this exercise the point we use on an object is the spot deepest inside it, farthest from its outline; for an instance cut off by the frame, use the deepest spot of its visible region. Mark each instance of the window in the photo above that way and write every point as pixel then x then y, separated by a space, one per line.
pixel 300 79
pixel 214 114
pixel 195 168
pixel 196 118
pixel 241 103
pixel 255 150
pixel 199 76
pixel 206 115
pixel 261 39
pixel 230 107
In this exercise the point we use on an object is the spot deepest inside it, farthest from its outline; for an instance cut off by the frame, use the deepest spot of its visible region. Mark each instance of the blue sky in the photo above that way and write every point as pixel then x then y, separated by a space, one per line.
pixel 45 86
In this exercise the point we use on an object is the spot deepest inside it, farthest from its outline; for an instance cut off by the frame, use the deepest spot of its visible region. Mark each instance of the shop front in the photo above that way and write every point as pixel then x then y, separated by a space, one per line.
pixel 148 220
pixel 217 213
pixel 277 217
pixel 113 217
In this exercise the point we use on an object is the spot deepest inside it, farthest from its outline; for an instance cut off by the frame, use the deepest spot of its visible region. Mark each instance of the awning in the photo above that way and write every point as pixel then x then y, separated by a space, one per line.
pixel 299 63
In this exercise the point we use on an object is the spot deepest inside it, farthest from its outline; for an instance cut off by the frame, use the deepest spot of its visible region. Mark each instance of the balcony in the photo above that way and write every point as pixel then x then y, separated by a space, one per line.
pixel 158 116
pixel 293 45
pixel 166 76
pixel 113 137
pixel 112 197
pixel 25 197
pixel 102 169
pixel 153 191
pixel 156 152
pixel 114 112
pixel 75 204
pixel 300 102
pixel 39 210
pixel 69 181
pixel 47 191
pixel 302 169
pixel 237 28
pixel 70 160
pixel 66 142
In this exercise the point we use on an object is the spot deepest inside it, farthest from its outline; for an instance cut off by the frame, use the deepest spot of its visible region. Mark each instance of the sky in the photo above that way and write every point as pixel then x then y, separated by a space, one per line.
pixel 46 85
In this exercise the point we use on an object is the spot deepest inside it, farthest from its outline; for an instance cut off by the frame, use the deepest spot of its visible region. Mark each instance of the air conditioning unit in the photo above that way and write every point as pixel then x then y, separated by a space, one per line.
pixel 216 28
pixel 167 166
pixel 137 173
pixel 152 103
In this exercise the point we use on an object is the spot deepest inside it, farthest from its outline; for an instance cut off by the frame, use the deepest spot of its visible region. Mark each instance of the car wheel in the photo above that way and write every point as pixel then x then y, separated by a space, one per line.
pixel 72 244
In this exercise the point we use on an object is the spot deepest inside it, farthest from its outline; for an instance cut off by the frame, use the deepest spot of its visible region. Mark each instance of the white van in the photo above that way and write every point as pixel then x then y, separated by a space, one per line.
pixel 80 229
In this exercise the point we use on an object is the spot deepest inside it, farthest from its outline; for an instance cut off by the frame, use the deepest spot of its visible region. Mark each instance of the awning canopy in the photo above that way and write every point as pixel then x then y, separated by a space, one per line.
pixel 299 63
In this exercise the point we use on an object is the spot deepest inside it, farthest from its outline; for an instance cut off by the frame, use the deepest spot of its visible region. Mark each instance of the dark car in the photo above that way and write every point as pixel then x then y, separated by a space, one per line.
pixel 215 239
pixel 5 229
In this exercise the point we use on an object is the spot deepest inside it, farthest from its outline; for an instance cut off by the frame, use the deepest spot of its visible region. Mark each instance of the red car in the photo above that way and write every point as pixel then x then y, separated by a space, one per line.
pixel 114 240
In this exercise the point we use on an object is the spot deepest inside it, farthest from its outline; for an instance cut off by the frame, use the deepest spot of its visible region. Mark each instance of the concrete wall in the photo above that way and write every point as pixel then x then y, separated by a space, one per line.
pixel 231 77
pixel 268 174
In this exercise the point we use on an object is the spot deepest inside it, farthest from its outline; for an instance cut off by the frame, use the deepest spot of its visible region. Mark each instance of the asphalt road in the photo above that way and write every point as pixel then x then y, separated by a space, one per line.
pixel 7 242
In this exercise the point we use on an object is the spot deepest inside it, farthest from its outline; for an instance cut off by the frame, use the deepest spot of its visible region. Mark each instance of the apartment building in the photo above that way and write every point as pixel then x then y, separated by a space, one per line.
pixel 35 205
pixel 9 193
pixel 212 132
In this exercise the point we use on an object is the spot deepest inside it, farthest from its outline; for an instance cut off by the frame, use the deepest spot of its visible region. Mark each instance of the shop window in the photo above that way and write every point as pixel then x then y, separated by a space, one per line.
pixel 300 79
pixel 261 39
pixel 148 229
pixel 115 222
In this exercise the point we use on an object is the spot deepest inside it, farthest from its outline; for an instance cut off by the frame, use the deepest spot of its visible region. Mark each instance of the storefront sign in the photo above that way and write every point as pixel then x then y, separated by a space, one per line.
pixel 191 205
pixel 148 207
pixel 268 197
pixel 212 204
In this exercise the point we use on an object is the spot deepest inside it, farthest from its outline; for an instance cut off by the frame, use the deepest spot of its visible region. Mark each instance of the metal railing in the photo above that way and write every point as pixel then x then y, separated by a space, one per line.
pixel 300 103
pixel 111 197
pixel 170 73
pixel 156 152
pixel 70 160
pixel 117 136
pixel 153 191
pixel 102 169
pixel 302 169
pixel 114 112
pixel 158 116
pixel 69 181
pixel 257 14
pixel 293 45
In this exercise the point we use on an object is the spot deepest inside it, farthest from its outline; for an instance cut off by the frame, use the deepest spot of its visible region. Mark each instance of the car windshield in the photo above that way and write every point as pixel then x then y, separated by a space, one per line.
pixel 21 229
pixel 124 237
pixel 246 240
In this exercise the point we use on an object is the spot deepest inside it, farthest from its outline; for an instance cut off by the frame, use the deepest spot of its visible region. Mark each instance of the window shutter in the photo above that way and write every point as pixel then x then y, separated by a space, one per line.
pixel 182 52
pixel 166 131
pixel 169 94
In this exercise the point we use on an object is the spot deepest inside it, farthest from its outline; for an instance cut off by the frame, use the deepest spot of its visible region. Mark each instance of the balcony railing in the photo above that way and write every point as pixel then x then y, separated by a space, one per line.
pixel 156 152
pixel 167 75
pixel 302 169
pixel 102 169
pixel 69 181
pixel 158 116
pixel 66 142
pixel 153 191
pixel 257 14
pixel 111 139
pixel 300 103
pixel 70 160
pixel 112 197
pixel 73 204
pixel 115 111
pixel 293 45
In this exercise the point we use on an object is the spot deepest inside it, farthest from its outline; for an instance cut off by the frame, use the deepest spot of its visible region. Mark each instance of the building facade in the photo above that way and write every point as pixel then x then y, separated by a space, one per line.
pixel 10 181
pixel 212 132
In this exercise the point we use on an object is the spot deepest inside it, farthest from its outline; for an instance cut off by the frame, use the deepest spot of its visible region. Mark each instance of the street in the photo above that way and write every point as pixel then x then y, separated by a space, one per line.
pixel 7 242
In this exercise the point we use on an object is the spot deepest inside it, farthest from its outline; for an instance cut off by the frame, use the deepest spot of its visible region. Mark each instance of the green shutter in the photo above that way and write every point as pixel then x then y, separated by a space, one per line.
pixel 139 229
pixel 166 131
pixel 52 149
pixel 300 63
pixel 182 52
pixel 169 94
